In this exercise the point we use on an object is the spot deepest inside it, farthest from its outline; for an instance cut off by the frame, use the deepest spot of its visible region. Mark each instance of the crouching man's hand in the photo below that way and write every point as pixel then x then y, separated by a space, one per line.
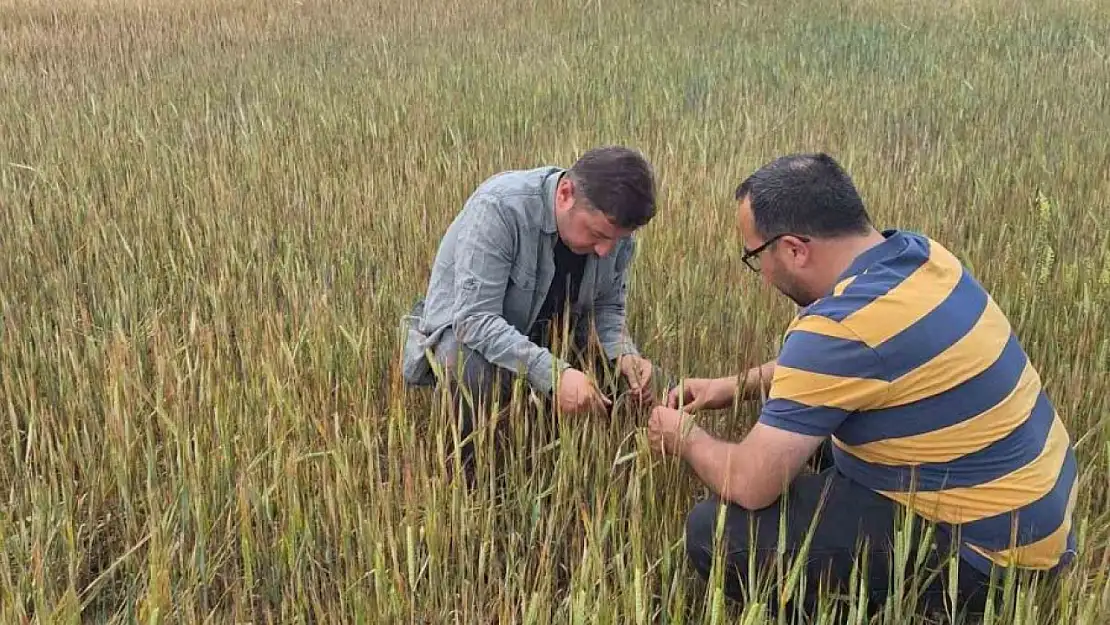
pixel 579 395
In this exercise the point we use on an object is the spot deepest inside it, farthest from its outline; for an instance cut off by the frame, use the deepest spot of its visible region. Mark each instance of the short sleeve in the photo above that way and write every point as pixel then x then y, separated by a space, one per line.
pixel 823 374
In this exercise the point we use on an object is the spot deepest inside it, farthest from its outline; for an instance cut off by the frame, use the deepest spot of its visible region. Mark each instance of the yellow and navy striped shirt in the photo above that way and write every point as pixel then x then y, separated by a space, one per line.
pixel 930 400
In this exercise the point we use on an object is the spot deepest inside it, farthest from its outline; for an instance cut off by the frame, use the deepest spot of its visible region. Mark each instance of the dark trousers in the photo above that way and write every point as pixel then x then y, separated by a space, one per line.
pixel 474 385
pixel 852 521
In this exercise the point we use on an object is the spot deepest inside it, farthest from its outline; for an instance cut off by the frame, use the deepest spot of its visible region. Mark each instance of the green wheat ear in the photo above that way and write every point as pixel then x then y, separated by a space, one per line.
pixel 1046 212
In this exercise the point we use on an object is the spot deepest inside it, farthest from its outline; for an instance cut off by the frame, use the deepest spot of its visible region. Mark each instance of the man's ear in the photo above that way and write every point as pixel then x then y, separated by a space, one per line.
pixel 564 193
pixel 799 252
pixel 566 188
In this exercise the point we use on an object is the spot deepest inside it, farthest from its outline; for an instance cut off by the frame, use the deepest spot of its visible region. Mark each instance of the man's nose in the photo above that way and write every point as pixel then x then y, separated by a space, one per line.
pixel 603 249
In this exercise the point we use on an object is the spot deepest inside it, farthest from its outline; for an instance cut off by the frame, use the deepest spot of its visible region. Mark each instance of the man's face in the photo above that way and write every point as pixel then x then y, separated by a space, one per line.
pixel 583 228
pixel 779 263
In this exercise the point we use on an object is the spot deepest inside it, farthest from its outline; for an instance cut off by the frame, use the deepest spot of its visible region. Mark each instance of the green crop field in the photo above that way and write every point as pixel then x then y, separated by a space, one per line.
pixel 214 213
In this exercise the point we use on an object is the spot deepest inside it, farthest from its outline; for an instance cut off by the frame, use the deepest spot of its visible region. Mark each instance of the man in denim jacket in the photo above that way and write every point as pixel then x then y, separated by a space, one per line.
pixel 528 246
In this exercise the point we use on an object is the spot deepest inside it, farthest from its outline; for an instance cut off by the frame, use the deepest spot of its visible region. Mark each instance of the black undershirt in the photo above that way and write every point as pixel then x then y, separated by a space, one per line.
pixel 563 292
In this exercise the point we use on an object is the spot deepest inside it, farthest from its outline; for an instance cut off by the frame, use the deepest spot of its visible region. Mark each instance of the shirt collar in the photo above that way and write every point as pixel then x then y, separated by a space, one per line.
pixel 895 242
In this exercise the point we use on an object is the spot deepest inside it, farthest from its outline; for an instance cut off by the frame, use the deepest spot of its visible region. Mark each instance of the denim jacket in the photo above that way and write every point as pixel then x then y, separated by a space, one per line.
pixel 490 278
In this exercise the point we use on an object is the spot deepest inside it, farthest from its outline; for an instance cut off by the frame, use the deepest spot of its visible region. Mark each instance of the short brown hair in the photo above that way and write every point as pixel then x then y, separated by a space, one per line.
pixel 617 181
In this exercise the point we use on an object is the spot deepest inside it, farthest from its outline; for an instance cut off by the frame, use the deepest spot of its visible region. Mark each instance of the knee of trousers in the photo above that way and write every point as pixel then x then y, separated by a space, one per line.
pixel 701 531
pixel 470 371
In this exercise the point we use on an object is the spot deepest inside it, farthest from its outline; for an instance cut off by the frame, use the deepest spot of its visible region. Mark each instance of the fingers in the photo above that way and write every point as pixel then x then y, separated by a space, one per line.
pixel 654 432
pixel 691 398
pixel 675 395
pixel 672 397
pixel 634 374
pixel 643 385
pixel 684 396
pixel 588 400
pixel 637 371
pixel 602 399
pixel 638 390
pixel 598 403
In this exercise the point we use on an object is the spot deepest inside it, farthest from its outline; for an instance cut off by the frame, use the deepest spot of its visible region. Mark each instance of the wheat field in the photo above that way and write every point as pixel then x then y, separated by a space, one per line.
pixel 214 214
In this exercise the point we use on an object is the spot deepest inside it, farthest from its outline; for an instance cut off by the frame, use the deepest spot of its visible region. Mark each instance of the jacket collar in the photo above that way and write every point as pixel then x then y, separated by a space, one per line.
pixel 549 186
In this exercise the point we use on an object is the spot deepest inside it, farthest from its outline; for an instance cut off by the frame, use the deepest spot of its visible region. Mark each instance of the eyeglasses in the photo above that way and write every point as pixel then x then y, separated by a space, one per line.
pixel 751 257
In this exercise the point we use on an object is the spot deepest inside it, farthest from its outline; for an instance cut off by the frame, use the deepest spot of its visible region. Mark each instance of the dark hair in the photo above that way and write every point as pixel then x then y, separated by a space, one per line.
pixel 807 194
pixel 617 181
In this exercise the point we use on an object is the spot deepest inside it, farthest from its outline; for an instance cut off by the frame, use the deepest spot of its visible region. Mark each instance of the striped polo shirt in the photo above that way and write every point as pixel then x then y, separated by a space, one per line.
pixel 930 400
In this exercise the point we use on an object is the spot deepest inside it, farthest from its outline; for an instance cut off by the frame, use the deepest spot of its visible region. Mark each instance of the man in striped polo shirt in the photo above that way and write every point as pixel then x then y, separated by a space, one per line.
pixel 900 367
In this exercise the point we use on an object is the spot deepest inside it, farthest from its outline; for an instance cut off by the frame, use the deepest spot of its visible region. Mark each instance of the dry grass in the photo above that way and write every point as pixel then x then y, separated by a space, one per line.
pixel 214 213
